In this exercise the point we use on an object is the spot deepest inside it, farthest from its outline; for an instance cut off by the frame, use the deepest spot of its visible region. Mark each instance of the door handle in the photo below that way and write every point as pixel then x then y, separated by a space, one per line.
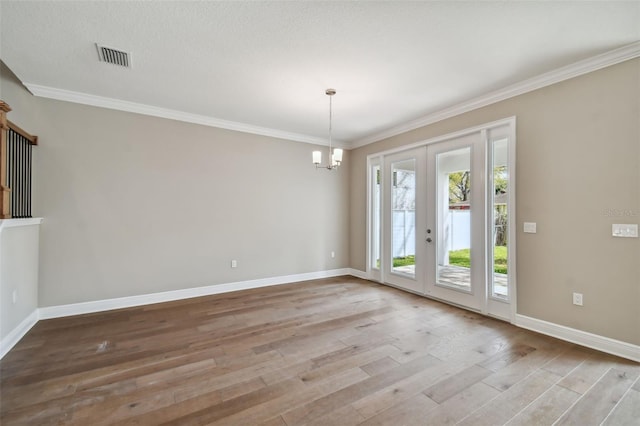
pixel 429 239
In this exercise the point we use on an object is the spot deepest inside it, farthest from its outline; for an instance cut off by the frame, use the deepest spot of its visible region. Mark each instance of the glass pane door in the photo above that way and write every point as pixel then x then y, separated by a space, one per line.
pixel 499 254
pixel 455 226
pixel 441 219
pixel 404 195
pixel 500 226
pixel 453 233
pixel 403 217
pixel 375 221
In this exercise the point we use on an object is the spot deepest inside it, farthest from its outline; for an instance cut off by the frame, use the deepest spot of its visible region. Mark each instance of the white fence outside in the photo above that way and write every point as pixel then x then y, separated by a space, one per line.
pixel 457 225
pixel 404 233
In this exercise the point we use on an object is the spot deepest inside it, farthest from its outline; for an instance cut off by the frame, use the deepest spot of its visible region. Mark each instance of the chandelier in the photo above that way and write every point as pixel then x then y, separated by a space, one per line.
pixel 335 154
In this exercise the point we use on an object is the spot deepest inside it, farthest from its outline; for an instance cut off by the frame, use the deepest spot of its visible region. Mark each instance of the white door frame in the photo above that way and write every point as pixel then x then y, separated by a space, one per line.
pixel 413 283
pixel 489 131
pixel 438 197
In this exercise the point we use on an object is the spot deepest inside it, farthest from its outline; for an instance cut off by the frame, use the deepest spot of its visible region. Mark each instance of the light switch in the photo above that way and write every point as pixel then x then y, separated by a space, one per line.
pixel 530 227
pixel 628 230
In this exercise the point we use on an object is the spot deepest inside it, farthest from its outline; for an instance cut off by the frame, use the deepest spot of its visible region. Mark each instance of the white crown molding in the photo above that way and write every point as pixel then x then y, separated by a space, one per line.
pixel 120 105
pixel 595 63
pixel 576 69
pixel 18 333
pixel 590 340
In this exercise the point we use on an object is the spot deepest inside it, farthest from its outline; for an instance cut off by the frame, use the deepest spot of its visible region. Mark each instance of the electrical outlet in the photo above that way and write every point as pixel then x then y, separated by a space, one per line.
pixel 577 299
pixel 14 296
pixel 333 254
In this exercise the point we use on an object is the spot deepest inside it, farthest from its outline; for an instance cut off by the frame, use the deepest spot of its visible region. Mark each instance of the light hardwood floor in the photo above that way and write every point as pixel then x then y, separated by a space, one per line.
pixel 339 351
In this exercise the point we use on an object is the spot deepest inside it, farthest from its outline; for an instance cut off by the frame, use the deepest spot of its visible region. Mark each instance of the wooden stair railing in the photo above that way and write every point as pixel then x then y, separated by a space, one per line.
pixel 9 130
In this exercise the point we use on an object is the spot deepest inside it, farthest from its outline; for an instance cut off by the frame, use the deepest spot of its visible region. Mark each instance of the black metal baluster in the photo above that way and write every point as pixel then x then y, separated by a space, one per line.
pixel 18 190
pixel 9 166
pixel 25 176
pixel 19 180
pixel 19 174
pixel 15 206
pixel 23 168
pixel 29 177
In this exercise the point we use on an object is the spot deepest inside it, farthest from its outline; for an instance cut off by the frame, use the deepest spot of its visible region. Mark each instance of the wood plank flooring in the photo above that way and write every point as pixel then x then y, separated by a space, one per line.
pixel 340 351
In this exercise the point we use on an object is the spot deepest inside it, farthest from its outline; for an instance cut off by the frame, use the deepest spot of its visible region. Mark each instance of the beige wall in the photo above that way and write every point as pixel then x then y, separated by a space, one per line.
pixel 578 157
pixel 18 245
pixel 135 204
pixel 19 273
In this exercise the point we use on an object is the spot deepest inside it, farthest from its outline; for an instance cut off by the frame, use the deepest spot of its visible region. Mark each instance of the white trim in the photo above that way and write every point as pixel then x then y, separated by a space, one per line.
pixel 171 114
pixel 168 296
pixel 512 249
pixel 576 69
pixel 594 341
pixel 444 138
pixel 12 223
pixel 358 274
pixel 583 338
pixel 508 123
pixel 21 329
pixel 49 312
pixel 371 273
pixel 590 340
pixel 18 333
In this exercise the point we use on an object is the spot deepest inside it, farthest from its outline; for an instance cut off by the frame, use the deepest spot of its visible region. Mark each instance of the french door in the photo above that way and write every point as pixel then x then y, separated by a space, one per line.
pixel 455 188
pixel 439 219
pixel 403 198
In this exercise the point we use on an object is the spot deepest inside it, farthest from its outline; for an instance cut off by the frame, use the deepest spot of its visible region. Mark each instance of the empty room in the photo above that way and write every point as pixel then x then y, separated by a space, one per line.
pixel 319 213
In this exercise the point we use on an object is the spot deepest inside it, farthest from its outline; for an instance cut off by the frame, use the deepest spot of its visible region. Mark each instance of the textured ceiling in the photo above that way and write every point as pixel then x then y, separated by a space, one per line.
pixel 267 64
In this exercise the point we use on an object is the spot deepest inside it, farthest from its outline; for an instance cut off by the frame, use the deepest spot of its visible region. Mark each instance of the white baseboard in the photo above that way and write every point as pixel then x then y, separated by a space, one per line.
pixel 168 296
pixel 590 340
pixel 594 341
pixel 50 312
pixel 358 273
pixel 18 333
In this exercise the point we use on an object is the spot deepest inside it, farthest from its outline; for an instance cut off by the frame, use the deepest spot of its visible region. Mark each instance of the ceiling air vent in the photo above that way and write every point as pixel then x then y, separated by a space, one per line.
pixel 114 56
